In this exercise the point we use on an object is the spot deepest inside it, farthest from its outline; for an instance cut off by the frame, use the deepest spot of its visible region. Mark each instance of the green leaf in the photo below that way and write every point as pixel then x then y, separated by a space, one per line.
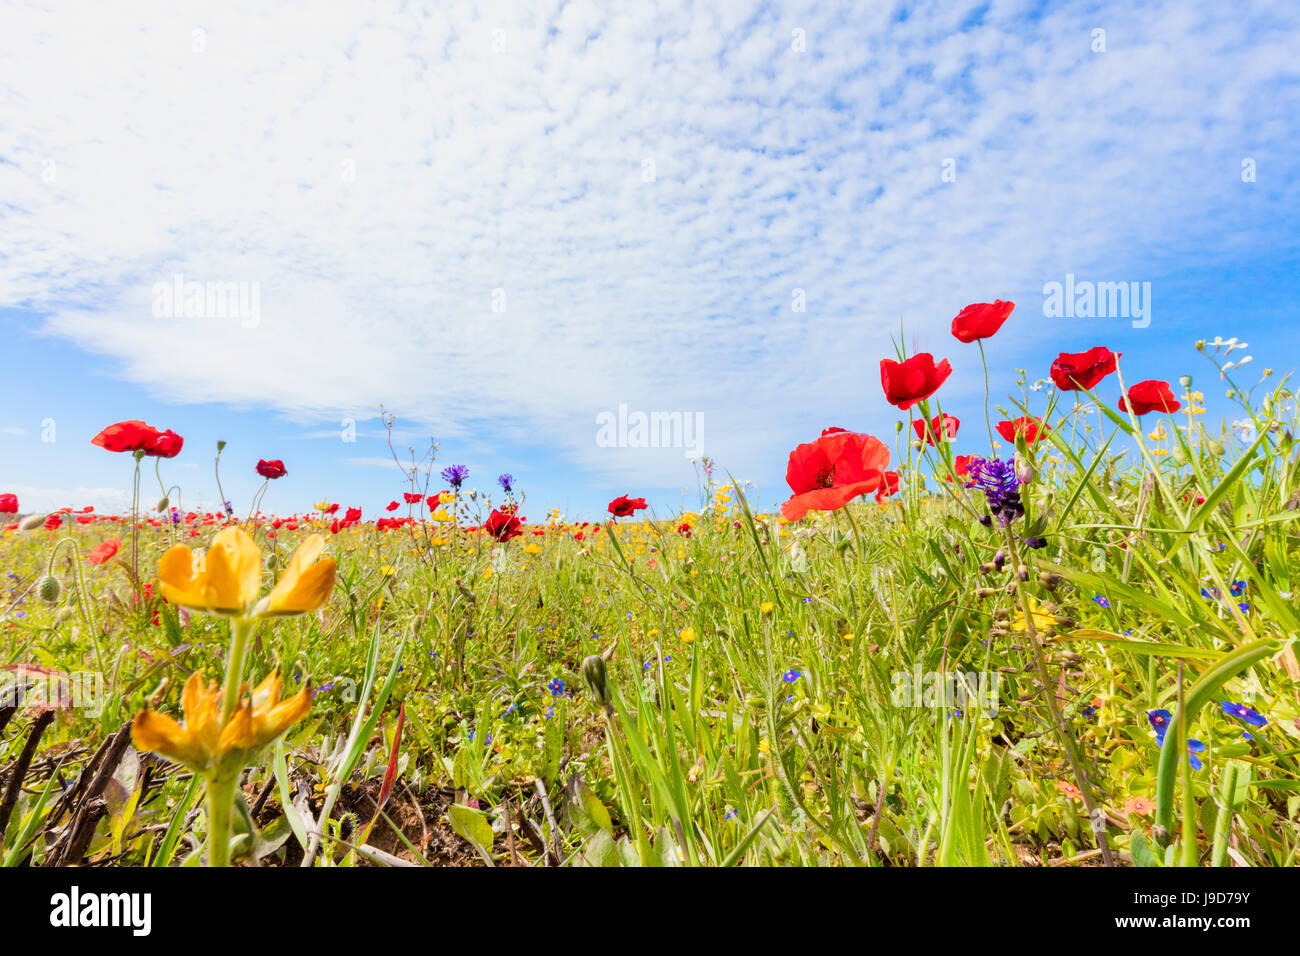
pixel 473 825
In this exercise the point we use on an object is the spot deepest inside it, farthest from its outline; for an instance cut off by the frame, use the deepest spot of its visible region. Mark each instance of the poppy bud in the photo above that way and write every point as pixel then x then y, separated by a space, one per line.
pixel 1024 471
pixel 30 522
pixel 65 612
pixel 593 671
pixel 49 589
pixel 917 444
pixel 163 502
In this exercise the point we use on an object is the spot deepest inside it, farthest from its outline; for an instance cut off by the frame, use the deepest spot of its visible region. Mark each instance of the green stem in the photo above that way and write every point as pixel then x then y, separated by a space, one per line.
pixel 1095 817
pixel 240 630
pixel 221 796
pixel 988 421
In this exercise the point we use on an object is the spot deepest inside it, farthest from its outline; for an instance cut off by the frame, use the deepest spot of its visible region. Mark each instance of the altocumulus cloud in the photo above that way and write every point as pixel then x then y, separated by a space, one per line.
pixel 526 214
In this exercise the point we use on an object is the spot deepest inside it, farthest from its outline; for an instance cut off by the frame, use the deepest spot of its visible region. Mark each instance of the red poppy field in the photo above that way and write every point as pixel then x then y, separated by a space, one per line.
pixel 1063 636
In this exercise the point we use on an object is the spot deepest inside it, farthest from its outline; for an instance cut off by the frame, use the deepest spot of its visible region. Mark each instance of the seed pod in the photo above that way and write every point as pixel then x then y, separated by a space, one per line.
pixel 1049 579
pixel 1022 572
pixel 985 592
pixel 49 589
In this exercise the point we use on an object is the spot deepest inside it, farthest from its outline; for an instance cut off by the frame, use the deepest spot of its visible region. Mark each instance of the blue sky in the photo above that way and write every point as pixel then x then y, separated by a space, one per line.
pixel 500 221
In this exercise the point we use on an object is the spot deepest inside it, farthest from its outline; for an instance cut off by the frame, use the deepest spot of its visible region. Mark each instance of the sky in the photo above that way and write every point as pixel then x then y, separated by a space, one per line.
pixel 501 222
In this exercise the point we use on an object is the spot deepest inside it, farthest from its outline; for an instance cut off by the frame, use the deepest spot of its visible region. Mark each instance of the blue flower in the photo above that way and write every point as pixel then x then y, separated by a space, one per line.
pixel 1195 747
pixel 1102 601
pixel 1244 607
pixel 455 476
pixel 791 675
pixel 506 482
pixel 556 687
pixel 731 814
pixel 1160 721
pixel 1242 712
pixel 1238 588
pixel 1210 593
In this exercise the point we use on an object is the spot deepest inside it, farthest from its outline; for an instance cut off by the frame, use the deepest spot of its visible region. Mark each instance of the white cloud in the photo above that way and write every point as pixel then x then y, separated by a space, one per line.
pixel 522 170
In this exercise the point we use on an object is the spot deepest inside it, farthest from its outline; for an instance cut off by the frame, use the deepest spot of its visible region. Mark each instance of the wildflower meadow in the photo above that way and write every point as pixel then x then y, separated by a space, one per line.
pixel 1060 637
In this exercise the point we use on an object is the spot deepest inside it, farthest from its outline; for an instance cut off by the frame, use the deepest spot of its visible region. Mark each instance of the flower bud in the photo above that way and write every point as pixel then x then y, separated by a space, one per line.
pixel 593 672
pixel 1024 471
pixel 221 446
pixel 1035 542
pixel 1022 572
pixel 163 502
pixel 49 589
pixel 65 612
pixel 31 522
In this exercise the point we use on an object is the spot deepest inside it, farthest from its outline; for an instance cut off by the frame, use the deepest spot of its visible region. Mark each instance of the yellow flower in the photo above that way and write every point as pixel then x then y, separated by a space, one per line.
pixel 1042 620
pixel 687 634
pixel 206 745
pixel 532 549
pixel 223 580
pixel 766 607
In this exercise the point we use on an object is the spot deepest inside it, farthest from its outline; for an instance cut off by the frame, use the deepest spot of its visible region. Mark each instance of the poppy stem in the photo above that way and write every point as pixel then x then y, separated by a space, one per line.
pixel 988 422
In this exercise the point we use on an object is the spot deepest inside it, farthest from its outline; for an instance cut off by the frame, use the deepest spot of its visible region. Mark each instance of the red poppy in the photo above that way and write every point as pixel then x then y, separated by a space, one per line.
pixel 828 473
pixel 392 506
pixel 167 445
pixel 888 485
pixel 412 497
pixel 271 468
pixel 130 435
pixel 1081 371
pixel 960 467
pixel 103 551
pixel 981 320
pixel 433 501
pixel 1150 396
pixel 8 504
pixel 54 522
pixel 928 430
pixel 352 515
pixel 332 509
pixel 622 506
pixel 912 380
pixel 503 524
pixel 1032 428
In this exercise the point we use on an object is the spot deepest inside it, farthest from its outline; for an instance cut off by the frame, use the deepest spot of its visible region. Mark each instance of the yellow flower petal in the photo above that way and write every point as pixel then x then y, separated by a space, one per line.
pixel 306 584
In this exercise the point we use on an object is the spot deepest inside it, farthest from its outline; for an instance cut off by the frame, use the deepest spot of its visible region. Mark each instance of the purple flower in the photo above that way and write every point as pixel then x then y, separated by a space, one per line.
pixel 997 479
pixel 455 476
pixel 506 482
